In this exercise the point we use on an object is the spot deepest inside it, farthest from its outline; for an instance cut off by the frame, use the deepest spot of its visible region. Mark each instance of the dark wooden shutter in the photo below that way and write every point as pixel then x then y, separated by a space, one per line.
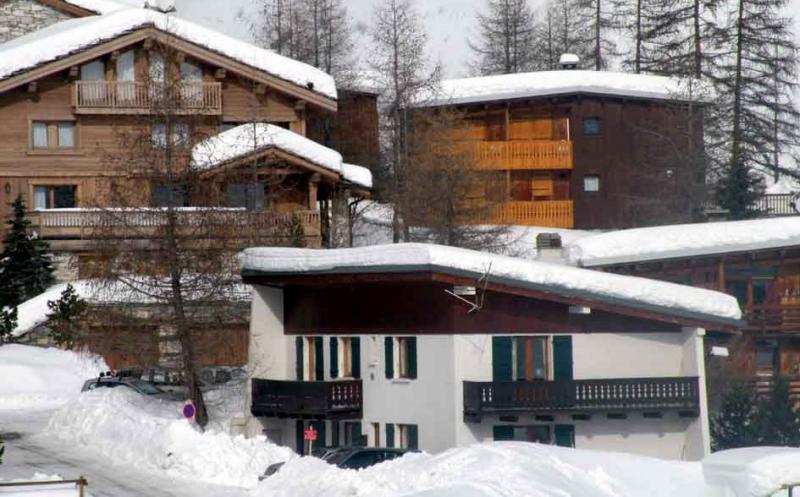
pixel 565 435
pixel 389 435
pixel 501 358
pixel 413 437
pixel 334 356
pixel 562 358
pixel 355 435
pixel 355 356
pixel 503 432
pixel 411 343
pixel 321 438
pixel 298 437
pixel 521 343
pixel 319 359
pixel 335 434
pixel 298 350
pixel 388 345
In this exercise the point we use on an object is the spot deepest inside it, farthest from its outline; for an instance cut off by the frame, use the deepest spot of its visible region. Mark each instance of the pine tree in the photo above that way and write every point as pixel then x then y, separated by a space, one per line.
pixel 777 421
pixel 8 322
pixel 64 317
pixel 738 190
pixel 25 266
pixel 506 38
pixel 734 424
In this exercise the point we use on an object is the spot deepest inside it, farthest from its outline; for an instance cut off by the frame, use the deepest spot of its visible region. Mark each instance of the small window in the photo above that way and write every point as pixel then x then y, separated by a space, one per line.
pixel 66 135
pixel 591 126
pixel 159 195
pixel 407 437
pixel 401 357
pixel 591 183
pixel 52 135
pixel 54 197
pixel 180 135
pixel 39 135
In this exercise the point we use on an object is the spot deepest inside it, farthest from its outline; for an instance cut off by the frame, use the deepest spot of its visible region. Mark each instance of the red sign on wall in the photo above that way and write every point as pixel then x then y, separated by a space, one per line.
pixel 310 434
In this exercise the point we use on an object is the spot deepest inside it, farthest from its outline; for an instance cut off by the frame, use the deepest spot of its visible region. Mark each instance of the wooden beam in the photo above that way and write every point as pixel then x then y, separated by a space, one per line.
pixel 33 87
pixel 220 73
pixel 114 55
pixel 260 89
pixel 180 57
pixel 148 44
pixel 74 72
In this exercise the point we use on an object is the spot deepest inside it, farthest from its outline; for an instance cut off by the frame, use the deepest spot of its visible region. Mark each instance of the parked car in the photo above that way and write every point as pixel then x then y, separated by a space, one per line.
pixel 348 457
pixel 139 386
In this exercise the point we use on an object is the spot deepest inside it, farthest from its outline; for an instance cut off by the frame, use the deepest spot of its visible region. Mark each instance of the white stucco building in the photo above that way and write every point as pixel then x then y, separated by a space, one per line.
pixel 434 347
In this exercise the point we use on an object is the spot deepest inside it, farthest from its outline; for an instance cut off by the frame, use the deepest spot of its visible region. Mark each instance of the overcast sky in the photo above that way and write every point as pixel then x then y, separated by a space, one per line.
pixel 448 23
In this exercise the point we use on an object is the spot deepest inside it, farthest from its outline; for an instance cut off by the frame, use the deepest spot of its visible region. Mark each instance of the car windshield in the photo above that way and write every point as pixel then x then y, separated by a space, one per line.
pixel 335 457
pixel 143 387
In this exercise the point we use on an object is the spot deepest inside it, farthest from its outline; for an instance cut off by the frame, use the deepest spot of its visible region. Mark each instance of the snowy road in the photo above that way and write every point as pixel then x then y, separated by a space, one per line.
pixel 28 452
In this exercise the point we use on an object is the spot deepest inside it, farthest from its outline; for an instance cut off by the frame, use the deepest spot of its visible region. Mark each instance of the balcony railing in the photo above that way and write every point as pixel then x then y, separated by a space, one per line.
pixel 495 155
pixel 133 97
pixel 776 318
pixel 581 396
pixel 307 399
pixel 549 213
pixel 777 205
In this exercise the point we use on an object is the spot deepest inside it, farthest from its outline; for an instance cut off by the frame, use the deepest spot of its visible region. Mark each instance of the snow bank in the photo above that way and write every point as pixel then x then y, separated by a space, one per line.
pixel 38 378
pixel 547 83
pixel 500 469
pixel 684 240
pixel 753 471
pixel 660 296
pixel 151 435
pixel 66 37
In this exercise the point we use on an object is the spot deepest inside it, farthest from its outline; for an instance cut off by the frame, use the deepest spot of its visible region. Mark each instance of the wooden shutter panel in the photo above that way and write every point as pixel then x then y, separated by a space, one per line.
pixel 413 437
pixel 501 358
pixel 389 435
pixel 298 349
pixel 503 432
pixel 334 355
pixel 321 439
pixel 319 362
pixel 355 357
pixel 520 359
pixel 355 435
pixel 335 434
pixel 300 444
pixel 412 357
pixel 565 435
pixel 388 345
pixel 562 358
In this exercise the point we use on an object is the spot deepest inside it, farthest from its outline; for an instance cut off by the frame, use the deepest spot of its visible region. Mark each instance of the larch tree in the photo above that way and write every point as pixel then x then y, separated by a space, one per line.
pixel 403 74
pixel 506 39
pixel 597 41
pixel 566 27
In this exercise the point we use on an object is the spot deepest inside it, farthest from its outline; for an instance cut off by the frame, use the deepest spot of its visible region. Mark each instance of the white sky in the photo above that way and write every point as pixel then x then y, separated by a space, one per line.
pixel 448 23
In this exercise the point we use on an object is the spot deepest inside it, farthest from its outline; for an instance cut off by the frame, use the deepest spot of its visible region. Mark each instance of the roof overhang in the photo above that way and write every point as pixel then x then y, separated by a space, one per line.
pixel 68 8
pixel 273 153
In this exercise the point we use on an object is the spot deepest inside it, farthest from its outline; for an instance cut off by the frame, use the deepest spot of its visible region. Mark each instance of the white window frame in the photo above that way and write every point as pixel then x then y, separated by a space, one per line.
pixel 591 183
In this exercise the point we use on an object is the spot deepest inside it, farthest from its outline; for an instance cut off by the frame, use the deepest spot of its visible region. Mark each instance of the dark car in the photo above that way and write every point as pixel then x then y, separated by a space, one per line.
pixel 139 386
pixel 349 457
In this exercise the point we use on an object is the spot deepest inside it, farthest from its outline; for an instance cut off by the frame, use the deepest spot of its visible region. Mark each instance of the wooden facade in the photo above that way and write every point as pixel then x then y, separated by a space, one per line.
pixel 584 161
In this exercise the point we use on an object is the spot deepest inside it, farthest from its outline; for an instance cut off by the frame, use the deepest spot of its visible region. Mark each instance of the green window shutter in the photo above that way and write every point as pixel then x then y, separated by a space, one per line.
pixel 520 346
pixel 413 437
pixel 412 357
pixel 298 437
pixel 501 358
pixel 389 435
pixel 358 440
pixel 298 350
pixel 355 356
pixel 388 345
pixel 321 439
pixel 562 358
pixel 334 345
pixel 334 433
pixel 565 435
pixel 503 432
pixel 319 360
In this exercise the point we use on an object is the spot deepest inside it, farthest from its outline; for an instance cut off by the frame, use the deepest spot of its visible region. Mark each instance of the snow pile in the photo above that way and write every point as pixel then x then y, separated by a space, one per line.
pixel 38 378
pixel 64 38
pixel 500 469
pixel 684 240
pixel 667 298
pixel 548 83
pixel 54 490
pixel 151 435
pixel 754 471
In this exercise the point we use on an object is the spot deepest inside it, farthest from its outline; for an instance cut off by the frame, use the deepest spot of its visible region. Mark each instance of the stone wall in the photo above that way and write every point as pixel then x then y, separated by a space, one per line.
pixel 19 17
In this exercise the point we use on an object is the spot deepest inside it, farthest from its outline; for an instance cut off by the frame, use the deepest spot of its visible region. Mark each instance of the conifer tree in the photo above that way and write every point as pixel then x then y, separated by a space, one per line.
pixel 777 420
pixel 8 322
pixel 734 426
pixel 64 317
pixel 506 38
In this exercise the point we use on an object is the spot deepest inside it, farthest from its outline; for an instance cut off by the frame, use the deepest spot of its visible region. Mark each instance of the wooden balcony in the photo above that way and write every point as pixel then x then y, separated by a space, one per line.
pixel 547 213
pixel 528 155
pixel 776 318
pixel 307 399
pixel 776 205
pixel 581 396
pixel 133 97
pixel 763 386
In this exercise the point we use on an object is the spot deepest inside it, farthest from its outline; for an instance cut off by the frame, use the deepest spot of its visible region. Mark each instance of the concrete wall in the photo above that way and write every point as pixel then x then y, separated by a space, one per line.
pixel 20 17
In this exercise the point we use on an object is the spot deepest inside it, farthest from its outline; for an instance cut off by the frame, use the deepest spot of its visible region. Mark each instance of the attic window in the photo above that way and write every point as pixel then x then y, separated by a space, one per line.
pixel 591 126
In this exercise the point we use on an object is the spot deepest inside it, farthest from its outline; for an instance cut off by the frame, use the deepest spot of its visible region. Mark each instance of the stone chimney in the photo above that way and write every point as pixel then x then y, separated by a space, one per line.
pixel 569 61
pixel 163 6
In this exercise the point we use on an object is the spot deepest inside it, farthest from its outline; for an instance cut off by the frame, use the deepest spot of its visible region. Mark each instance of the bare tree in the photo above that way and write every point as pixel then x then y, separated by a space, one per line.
pixel 567 27
pixel 506 38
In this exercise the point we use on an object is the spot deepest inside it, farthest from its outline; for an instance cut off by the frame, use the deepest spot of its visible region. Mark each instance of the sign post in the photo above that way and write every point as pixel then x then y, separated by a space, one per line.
pixel 310 434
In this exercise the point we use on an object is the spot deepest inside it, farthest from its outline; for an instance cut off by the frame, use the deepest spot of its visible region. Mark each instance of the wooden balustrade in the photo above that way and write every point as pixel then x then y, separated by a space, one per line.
pixel 501 155
pixel 777 204
pixel 307 399
pixel 775 318
pixel 549 213
pixel 581 396
pixel 133 97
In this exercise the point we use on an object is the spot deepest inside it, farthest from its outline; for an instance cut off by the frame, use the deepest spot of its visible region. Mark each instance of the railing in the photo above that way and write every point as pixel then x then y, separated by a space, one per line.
pixel 777 205
pixel 53 487
pixel 549 213
pixel 581 396
pixel 774 318
pixel 523 155
pixel 307 399
pixel 763 386
pixel 121 97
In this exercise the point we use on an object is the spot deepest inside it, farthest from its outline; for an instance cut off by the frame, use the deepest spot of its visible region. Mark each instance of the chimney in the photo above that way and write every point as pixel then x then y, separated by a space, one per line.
pixel 163 6
pixel 548 247
pixel 569 61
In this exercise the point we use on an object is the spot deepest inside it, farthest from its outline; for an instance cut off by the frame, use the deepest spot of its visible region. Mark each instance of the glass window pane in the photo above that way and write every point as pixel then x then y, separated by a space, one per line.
pixel 180 134
pixel 64 197
pixel 39 135
pixel 591 183
pixel 66 135
pixel 591 126
pixel 158 135
pixel 40 197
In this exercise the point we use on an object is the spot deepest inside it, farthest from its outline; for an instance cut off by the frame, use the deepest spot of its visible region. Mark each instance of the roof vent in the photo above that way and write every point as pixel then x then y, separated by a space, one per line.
pixel 548 241
pixel 569 61
pixel 163 6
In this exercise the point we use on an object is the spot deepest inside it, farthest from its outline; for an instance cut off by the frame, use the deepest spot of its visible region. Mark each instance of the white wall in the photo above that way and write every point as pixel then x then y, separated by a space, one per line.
pixel 629 355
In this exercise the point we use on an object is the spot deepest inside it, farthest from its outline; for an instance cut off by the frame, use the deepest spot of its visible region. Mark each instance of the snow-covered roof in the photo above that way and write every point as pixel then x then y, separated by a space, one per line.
pixel 549 83
pixel 628 291
pixel 684 240
pixel 67 37
pixel 106 6
pixel 753 471
pixel 358 175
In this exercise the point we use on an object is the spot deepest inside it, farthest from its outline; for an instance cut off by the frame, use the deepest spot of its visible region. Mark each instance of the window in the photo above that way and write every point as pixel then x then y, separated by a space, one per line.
pixel 523 433
pixel 591 183
pixel 376 434
pixel 407 437
pixel 345 357
pixel 180 135
pixel 766 356
pixel 52 135
pixel 54 197
pixel 245 196
pixel 530 358
pixel 308 359
pixel 159 195
pixel 400 357
pixel 591 126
